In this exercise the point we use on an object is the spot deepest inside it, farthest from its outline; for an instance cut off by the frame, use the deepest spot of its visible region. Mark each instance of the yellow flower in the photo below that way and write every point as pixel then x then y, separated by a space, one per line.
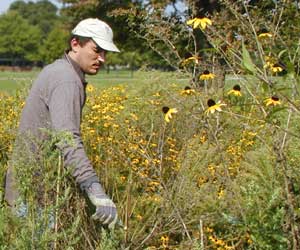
pixel 209 229
pixel 123 178
pixel 187 91
pixel 168 113
pixel 269 61
pixel 264 34
pixel 213 106
pixel 139 217
pixel 274 100
pixel 90 88
pixel 190 59
pixel 276 68
pixel 236 90
pixel 199 21
pixel 274 65
pixel 164 241
pixel 221 192
pixel 206 75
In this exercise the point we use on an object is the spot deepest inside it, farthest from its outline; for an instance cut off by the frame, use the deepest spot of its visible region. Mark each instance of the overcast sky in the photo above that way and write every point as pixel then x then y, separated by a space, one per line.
pixel 4 4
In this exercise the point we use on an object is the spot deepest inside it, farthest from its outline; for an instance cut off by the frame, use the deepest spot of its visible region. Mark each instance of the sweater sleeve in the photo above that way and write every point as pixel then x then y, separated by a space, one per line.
pixel 65 113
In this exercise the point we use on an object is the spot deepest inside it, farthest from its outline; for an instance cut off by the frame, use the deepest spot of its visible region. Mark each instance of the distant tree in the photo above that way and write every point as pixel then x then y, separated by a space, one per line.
pixel 41 13
pixel 54 45
pixel 76 10
pixel 112 60
pixel 130 59
pixel 18 39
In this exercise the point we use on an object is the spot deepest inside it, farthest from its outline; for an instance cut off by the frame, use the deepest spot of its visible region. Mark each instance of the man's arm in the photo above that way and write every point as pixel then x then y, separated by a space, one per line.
pixel 65 114
pixel 65 109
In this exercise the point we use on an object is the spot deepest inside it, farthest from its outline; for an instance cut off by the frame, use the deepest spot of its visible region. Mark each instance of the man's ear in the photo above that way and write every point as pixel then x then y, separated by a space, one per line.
pixel 75 45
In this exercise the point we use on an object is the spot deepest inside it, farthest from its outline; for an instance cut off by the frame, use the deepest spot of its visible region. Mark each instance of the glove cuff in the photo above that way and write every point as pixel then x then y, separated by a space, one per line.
pixel 96 193
pixel 88 182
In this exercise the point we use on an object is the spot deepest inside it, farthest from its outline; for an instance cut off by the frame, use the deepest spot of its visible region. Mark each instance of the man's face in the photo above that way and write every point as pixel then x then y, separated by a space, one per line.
pixel 89 56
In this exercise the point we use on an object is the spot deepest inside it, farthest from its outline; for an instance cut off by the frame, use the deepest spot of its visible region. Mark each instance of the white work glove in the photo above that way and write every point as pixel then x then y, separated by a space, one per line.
pixel 106 211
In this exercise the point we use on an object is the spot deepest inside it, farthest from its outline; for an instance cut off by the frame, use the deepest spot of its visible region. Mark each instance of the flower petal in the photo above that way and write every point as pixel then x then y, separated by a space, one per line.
pixel 196 23
pixel 191 21
pixel 203 24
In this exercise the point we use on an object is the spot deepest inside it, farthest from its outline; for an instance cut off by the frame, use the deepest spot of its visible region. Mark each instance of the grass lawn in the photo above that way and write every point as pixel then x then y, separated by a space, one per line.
pixel 11 81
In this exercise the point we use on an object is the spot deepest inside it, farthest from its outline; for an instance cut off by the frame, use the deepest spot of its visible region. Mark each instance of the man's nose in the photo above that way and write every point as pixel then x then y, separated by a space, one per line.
pixel 101 56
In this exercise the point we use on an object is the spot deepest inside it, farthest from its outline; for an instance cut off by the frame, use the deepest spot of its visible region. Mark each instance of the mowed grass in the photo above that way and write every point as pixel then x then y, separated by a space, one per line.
pixel 12 81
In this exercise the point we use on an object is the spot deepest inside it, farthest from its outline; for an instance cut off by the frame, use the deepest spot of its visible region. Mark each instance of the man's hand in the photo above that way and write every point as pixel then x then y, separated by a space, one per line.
pixel 106 210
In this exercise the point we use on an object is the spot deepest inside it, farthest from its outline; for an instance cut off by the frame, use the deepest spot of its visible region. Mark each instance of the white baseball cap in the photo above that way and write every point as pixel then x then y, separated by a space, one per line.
pixel 99 31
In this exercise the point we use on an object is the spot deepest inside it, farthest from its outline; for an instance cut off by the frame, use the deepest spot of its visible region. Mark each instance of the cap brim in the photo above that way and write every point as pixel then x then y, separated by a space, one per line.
pixel 106 45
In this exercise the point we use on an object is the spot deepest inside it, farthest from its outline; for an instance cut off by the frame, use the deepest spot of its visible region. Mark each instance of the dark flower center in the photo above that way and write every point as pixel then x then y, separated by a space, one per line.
pixel 277 65
pixel 237 87
pixel 187 88
pixel 264 30
pixel 165 109
pixel 211 102
pixel 187 55
pixel 275 98
pixel 206 72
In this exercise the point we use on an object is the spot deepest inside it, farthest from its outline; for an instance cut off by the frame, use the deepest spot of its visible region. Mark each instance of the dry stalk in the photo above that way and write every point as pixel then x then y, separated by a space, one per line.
pixel 201 235
pixel 166 189
pixel 87 239
pixel 147 237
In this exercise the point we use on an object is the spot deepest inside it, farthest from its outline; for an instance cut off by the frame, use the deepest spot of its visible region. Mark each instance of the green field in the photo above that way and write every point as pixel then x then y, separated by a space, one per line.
pixel 10 81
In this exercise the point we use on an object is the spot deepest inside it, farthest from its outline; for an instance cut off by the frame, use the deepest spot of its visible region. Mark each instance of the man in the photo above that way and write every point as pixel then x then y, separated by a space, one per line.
pixel 55 102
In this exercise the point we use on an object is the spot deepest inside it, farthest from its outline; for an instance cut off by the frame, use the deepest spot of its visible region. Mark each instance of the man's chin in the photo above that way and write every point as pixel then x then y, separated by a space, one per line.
pixel 92 72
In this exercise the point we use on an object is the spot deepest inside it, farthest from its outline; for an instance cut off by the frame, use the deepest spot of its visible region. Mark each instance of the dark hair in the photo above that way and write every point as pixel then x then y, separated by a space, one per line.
pixel 81 40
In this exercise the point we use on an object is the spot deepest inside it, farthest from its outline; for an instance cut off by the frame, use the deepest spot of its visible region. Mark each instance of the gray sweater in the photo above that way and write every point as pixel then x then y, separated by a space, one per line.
pixel 55 102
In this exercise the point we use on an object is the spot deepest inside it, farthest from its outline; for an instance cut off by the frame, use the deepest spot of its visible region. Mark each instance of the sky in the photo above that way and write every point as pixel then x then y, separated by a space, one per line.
pixel 4 4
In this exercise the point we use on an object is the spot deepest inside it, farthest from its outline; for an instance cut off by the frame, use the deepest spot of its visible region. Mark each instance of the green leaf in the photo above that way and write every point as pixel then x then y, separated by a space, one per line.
pixel 265 86
pixel 281 53
pixel 271 115
pixel 247 61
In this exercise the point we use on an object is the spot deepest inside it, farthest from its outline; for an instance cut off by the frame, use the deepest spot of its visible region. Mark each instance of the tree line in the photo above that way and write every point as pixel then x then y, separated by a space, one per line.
pixel 31 33
pixel 36 33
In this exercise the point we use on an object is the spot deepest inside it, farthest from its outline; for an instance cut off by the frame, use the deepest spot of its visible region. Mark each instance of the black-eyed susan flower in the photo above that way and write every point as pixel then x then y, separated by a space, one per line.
pixel 187 91
pixel 164 241
pixel 276 68
pixel 274 65
pixel 191 59
pixel 236 90
pixel 168 113
pixel 213 106
pixel 201 22
pixel 206 75
pixel 274 101
pixel 263 34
